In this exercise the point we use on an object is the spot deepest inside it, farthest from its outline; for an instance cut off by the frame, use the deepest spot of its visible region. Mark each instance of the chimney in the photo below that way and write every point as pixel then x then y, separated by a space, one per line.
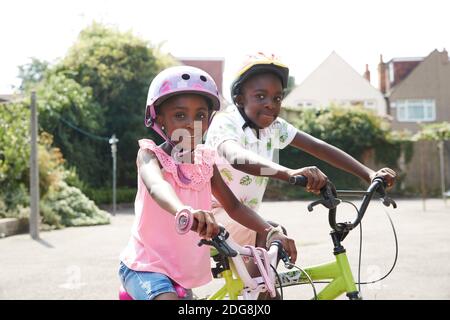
pixel 367 73
pixel 444 56
pixel 382 75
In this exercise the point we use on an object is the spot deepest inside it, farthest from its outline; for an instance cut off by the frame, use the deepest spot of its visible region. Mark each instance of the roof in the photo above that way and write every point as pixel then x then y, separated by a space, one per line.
pixel 399 82
pixel 406 59
pixel 334 80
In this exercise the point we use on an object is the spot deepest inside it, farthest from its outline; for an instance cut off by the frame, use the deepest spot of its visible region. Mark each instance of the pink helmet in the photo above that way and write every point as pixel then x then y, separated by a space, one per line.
pixel 177 80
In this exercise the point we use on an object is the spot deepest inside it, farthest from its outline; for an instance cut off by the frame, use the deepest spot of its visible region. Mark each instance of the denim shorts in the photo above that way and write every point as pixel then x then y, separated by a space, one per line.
pixel 141 285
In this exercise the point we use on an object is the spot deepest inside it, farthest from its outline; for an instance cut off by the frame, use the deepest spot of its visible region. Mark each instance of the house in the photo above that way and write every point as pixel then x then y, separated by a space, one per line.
pixel 336 82
pixel 417 89
pixel 213 66
pixel 4 98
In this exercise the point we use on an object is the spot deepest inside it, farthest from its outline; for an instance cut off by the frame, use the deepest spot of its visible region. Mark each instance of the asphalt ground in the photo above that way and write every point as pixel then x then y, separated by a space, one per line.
pixel 82 263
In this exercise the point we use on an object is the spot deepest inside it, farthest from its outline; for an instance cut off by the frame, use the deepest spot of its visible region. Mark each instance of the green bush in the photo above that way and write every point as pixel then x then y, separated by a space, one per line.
pixel 66 206
pixel 14 155
pixel 61 205
pixel 104 195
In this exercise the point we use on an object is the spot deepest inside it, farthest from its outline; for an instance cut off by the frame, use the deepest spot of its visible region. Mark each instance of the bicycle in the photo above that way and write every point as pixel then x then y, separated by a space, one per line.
pixel 229 256
pixel 229 264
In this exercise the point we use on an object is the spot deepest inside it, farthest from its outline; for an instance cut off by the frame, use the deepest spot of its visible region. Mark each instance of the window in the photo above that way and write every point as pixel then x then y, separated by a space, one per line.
pixel 306 103
pixel 391 72
pixel 370 104
pixel 415 110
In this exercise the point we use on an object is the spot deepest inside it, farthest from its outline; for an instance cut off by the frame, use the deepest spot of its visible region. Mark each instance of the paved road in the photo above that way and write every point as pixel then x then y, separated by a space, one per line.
pixel 81 263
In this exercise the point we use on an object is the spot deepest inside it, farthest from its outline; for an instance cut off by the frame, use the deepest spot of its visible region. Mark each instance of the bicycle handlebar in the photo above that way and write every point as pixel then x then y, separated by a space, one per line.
pixel 219 242
pixel 330 201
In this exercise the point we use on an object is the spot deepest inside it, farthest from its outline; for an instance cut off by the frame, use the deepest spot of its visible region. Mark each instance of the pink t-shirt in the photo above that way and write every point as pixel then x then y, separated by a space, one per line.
pixel 154 244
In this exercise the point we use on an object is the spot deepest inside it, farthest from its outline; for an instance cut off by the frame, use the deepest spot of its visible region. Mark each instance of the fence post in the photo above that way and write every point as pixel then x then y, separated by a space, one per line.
pixel 441 162
pixel 422 174
pixel 34 171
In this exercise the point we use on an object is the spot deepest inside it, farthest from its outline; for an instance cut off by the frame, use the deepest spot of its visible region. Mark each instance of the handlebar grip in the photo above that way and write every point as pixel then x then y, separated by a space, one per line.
pixel 299 181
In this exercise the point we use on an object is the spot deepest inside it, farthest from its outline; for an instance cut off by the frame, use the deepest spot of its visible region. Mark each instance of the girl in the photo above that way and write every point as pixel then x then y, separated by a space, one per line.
pixel 247 134
pixel 176 179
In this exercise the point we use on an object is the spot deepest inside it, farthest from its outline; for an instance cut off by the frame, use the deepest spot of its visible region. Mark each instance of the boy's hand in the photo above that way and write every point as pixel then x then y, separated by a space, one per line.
pixel 387 175
pixel 205 224
pixel 288 245
pixel 316 178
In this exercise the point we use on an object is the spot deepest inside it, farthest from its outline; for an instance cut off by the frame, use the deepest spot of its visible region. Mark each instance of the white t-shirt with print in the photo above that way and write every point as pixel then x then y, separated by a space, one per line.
pixel 227 125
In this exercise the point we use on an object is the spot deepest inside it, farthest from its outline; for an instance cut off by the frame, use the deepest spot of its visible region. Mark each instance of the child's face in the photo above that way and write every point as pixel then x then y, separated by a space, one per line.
pixel 185 119
pixel 261 98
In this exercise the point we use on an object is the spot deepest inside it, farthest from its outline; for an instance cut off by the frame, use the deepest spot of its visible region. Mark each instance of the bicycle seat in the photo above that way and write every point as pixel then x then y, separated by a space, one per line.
pixel 181 292
pixel 123 295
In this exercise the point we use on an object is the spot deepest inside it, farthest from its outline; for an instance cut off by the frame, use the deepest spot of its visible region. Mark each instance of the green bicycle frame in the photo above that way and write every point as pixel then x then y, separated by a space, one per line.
pixel 339 272
pixel 233 285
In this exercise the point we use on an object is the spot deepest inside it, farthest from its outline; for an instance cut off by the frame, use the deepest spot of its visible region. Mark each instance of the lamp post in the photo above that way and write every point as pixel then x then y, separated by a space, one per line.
pixel 113 142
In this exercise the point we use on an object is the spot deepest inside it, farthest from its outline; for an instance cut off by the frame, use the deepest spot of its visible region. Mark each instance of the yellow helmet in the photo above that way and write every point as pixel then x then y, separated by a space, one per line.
pixel 259 63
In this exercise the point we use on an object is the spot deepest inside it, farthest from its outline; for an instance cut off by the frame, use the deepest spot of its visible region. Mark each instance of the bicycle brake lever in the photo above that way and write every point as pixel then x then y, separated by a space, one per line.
pixel 203 242
pixel 388 201
pixel 221 246
pixel 327 203
pixel 315 203
pixel 282 254
pixel 287 263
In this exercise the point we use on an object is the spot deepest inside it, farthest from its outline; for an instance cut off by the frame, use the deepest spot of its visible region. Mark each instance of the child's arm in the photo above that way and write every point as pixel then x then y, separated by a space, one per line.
pixel 163 193
pixel 340 159
pixel 250 162
pixel 244 215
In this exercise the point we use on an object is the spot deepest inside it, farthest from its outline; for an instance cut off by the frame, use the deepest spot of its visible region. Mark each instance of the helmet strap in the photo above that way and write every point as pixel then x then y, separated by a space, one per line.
pixel 180 173
pixel 248 123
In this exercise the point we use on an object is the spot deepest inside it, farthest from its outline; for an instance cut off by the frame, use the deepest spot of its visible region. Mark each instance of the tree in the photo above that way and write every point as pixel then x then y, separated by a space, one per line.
pixel 32 73
pixel 69 112
pixel 119 68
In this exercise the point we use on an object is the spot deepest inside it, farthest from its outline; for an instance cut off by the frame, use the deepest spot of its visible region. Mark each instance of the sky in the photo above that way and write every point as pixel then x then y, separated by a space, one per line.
pixel 301 33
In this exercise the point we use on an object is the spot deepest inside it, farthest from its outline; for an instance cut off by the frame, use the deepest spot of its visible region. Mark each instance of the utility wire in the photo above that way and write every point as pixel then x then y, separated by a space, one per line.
pixel 90 135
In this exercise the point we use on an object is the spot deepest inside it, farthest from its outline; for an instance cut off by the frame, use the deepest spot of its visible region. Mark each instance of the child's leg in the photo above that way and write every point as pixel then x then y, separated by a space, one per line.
pixel 147 285
pixel 167 296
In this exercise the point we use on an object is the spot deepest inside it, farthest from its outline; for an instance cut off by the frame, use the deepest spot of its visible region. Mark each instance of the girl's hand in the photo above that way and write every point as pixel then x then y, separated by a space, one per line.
pixel 205 224
pixel 288 245
pixel 387 175
pixel 316 178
